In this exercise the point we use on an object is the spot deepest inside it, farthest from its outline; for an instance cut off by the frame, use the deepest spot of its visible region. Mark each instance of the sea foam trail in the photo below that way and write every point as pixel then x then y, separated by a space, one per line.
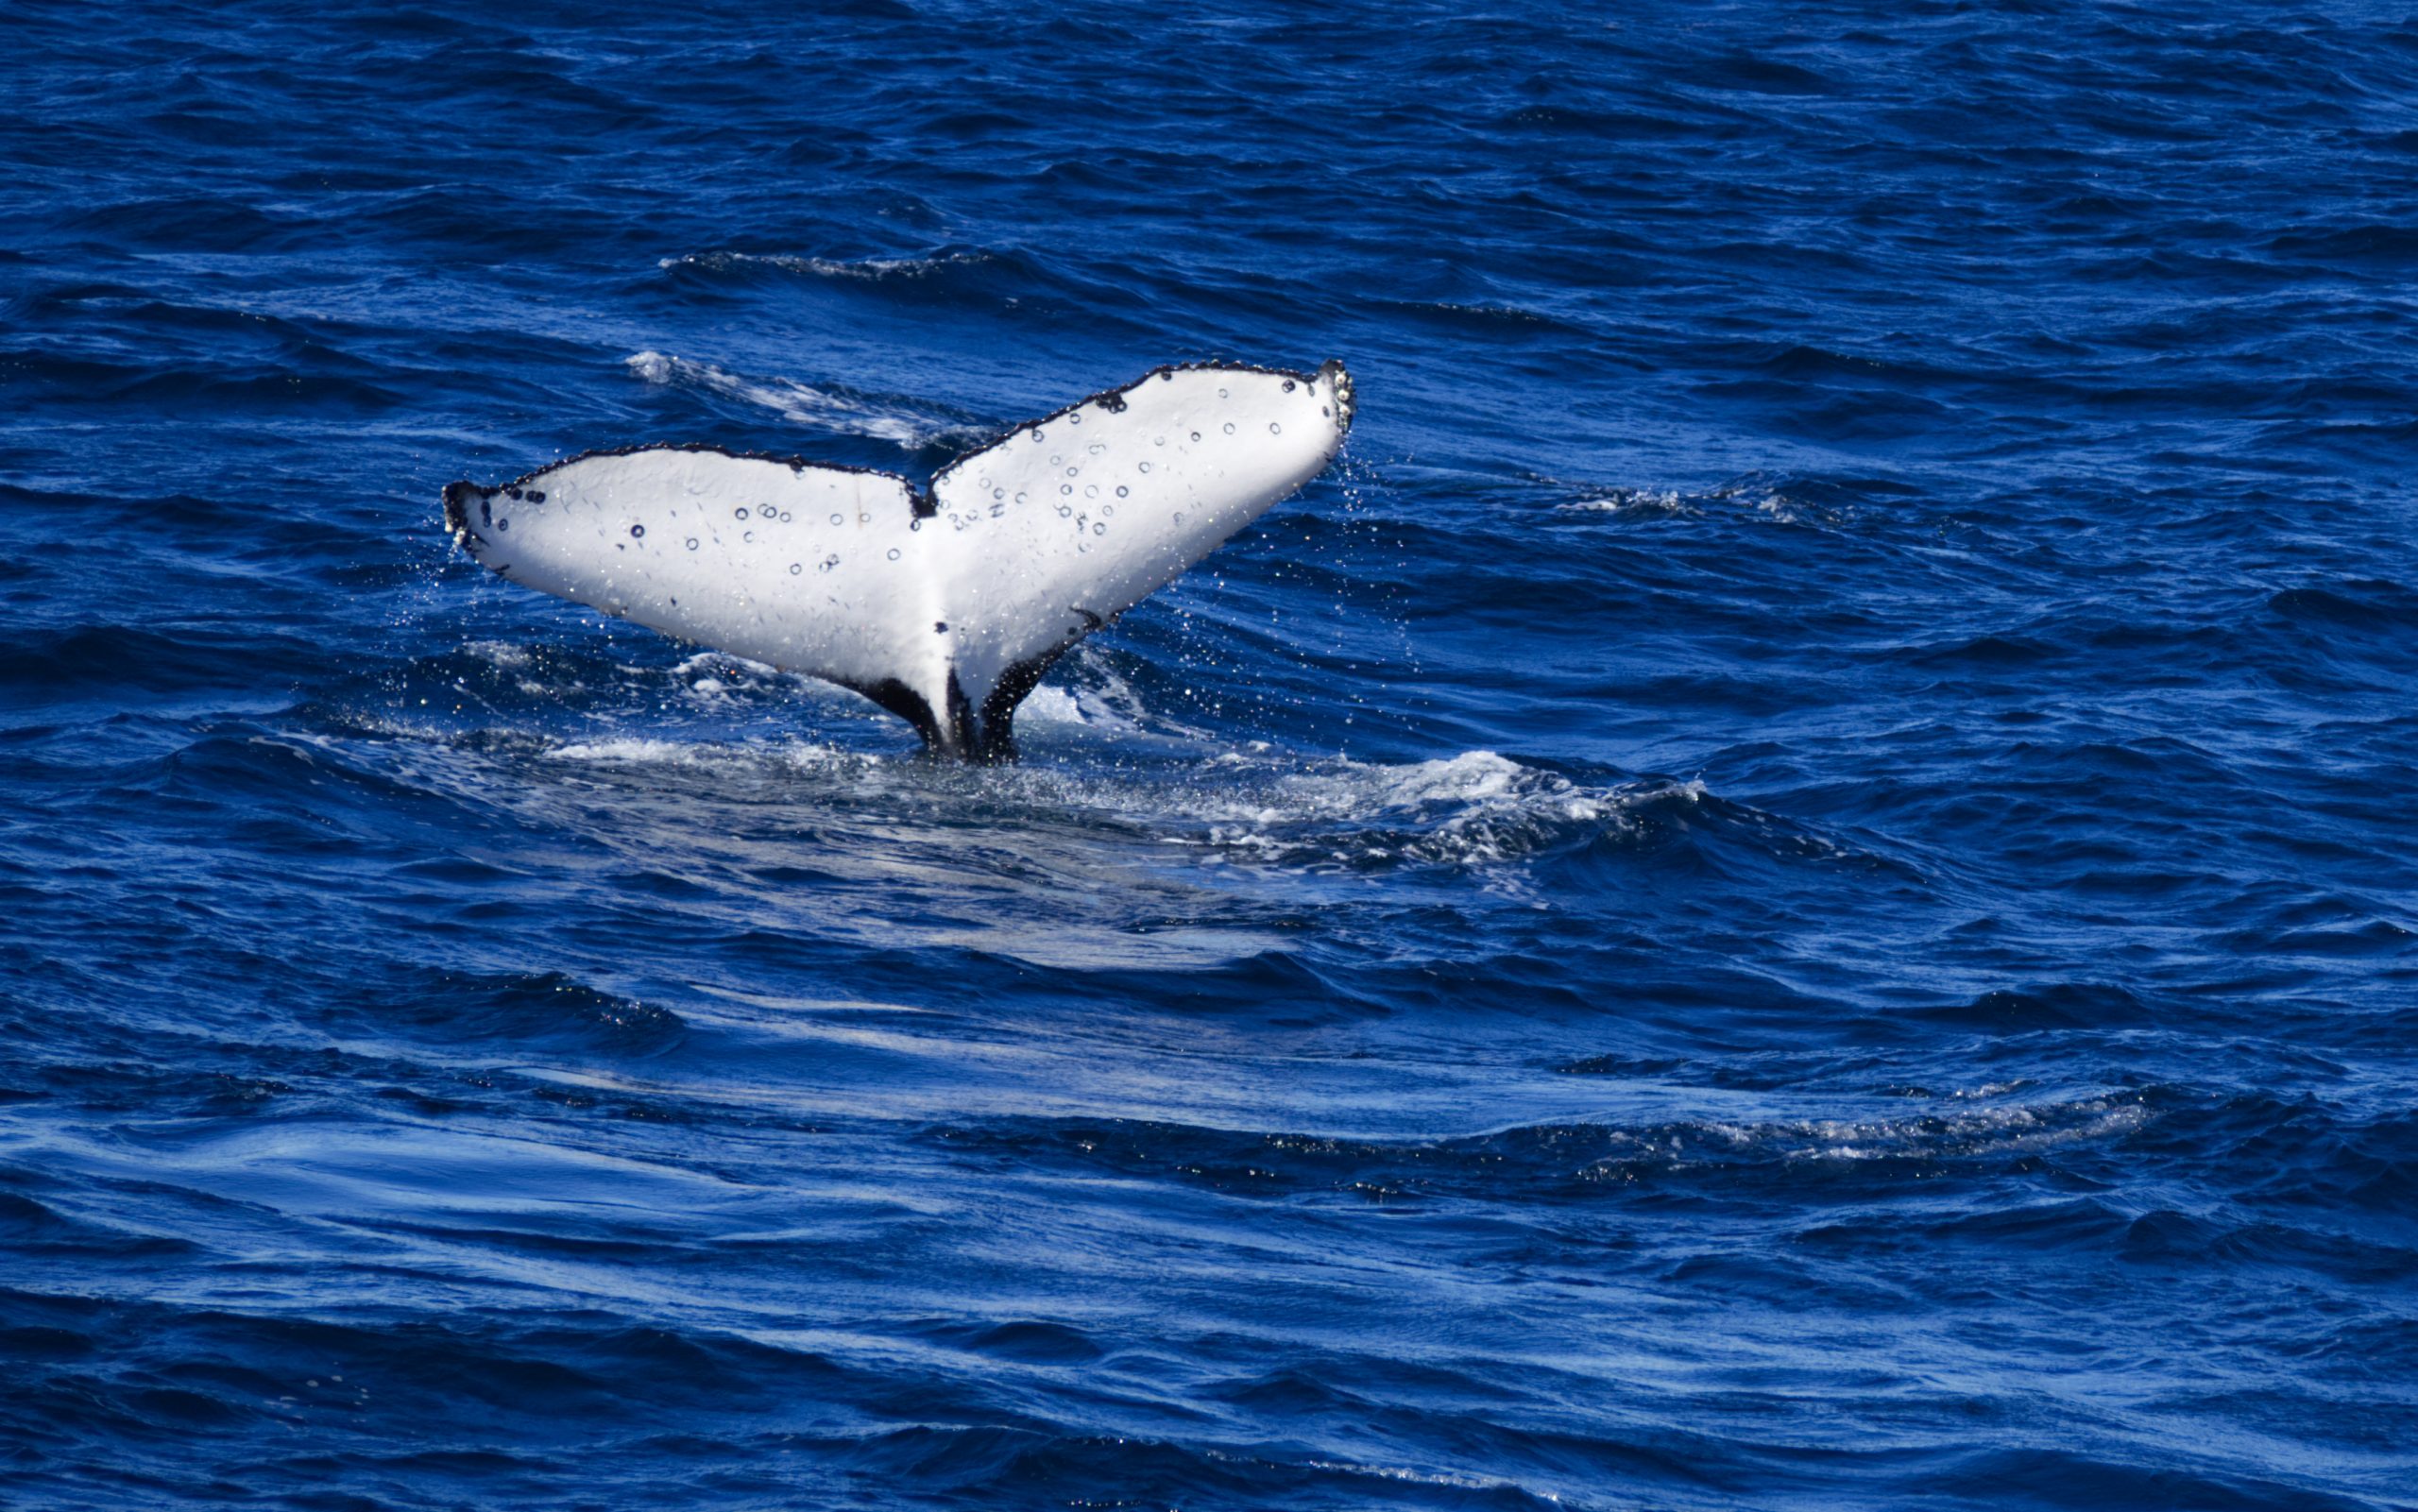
pixel 800 402
pixel 1479 809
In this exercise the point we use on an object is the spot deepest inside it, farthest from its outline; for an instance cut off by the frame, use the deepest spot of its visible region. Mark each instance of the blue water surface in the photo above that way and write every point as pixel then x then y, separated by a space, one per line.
pixel 1795 887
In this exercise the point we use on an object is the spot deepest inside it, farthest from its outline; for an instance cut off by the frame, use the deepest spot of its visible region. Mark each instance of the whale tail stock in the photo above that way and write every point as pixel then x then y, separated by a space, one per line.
pixel 947 604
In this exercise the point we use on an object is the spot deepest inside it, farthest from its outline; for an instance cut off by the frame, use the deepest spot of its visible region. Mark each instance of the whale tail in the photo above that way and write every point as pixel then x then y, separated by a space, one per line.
pixel 947 604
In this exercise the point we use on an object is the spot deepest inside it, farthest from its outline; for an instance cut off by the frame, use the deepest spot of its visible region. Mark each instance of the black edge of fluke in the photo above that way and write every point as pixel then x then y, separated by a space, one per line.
pixel 458 498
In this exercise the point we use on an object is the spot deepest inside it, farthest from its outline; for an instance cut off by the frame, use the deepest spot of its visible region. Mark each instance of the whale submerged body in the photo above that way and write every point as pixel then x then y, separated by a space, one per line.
pixel 947 604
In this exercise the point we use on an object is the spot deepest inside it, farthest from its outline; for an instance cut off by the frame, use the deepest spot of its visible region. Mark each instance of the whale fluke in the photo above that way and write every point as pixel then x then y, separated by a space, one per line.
pixel 944 605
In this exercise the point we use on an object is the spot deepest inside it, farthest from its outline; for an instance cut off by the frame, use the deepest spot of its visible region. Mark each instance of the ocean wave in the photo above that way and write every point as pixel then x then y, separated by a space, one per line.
pixel 1572 1158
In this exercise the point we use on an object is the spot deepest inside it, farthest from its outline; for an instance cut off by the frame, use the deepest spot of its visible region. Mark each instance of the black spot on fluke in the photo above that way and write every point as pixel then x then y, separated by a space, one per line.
pixel 940 627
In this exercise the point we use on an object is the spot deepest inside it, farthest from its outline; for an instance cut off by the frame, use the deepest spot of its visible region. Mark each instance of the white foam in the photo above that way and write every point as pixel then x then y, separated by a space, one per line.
pixel 1050 705
pixel 502 655
pixel 799 402
pixel 1092 695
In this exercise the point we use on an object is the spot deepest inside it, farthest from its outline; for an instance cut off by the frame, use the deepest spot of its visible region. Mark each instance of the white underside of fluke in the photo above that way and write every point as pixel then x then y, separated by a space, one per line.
pixel 944 607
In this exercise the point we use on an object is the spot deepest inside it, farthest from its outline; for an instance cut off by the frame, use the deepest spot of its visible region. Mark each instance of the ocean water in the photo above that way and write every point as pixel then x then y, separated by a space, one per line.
pixel 1794 887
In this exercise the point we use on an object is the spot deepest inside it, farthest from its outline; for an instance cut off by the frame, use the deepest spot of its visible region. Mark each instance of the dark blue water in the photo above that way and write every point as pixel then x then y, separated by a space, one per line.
pixel 1793 887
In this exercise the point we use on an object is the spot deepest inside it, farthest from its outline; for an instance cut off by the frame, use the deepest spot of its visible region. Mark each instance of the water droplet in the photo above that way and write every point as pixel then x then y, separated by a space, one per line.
pixel 1055 459
pixel 1221 393
pixel 796 567
pixel 747 535
pixel 1120 490
pixel 998 493
pixel 1179 517
pixel 637 532
pixel 787 516
pixel 503 524
pixel 1091 490
pixel 842 519
pixel 1096 447
pixel 1274 429
pixel 1230 427
pixel 692 543
pixel 1160 442
pixel 741 513
pixel 1065 510
pixel 1099 530
pixel 1288 385
pixel 826 564
pixel 1108 509
pixel 893 554
pixel 1020 498
pixel 1065 487
pixel 1073 471
pixel 1196 435
pixel 864 519
pixel 1146 466
pixel 1074 419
